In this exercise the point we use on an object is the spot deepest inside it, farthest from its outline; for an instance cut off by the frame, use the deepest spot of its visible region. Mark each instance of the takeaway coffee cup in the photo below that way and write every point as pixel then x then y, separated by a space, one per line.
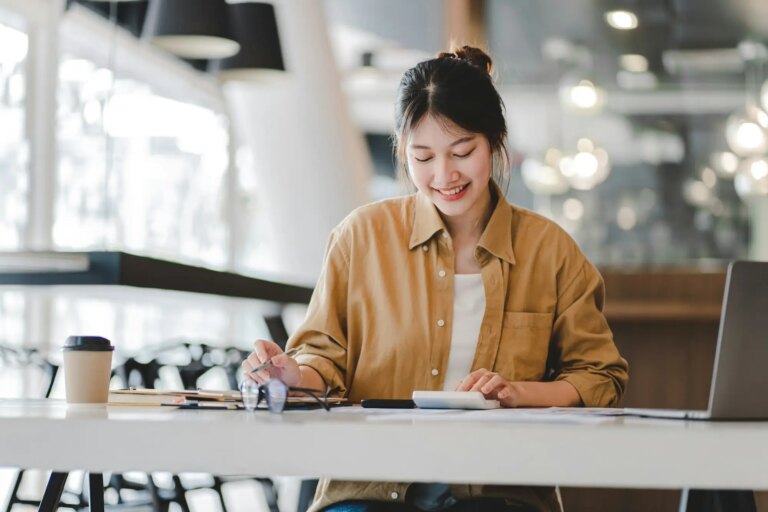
pixel 87 369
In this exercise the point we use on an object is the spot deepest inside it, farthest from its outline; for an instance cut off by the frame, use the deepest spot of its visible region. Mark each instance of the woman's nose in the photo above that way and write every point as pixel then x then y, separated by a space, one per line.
pixel 446 173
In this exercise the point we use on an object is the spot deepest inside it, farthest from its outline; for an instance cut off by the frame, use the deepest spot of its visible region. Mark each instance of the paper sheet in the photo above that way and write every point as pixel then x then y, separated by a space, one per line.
pixel 538 415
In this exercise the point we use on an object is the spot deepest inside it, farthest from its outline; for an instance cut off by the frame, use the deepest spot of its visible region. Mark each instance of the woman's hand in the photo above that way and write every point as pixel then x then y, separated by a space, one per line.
pixel 492 386
pixel 521 394
pixel 283 367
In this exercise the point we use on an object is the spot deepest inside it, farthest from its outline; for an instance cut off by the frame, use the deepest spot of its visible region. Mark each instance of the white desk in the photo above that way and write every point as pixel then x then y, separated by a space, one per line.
pixel 620 452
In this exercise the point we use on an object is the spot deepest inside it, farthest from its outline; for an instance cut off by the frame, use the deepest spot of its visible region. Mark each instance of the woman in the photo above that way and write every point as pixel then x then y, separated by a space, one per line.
pixel 452 288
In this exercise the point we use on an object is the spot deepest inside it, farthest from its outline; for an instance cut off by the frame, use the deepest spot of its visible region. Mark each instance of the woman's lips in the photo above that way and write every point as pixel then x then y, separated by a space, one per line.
pixel 455 196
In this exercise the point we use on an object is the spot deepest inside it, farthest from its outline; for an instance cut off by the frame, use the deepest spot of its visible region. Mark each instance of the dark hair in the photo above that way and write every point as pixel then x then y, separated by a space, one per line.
pixel 457 87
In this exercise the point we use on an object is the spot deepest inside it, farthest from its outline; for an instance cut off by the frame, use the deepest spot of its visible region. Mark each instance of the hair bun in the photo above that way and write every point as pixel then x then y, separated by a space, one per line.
pixel 474 56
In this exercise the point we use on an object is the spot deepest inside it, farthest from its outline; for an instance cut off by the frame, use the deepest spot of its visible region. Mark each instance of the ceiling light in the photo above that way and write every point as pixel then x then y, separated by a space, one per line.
pixel 254 26
pixel 129 14
pixel 191 29
pixel 764 95
pixel 696 193
pixel 621 20
pixel 573 209
pixel 708 177
pixel 746 133
pixel 724 163
pixel 634 62
pixel 586 169
pixel 543 179
pixel 626 217
pixel 583 96
pixel 752 178
pixel 585 145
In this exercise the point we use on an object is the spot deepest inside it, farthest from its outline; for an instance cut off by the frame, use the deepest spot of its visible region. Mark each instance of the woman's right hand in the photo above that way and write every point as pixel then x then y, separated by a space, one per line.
pixel 284 367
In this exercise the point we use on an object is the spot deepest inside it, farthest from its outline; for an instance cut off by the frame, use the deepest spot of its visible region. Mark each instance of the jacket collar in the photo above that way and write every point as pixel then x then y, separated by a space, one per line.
pixel 496 238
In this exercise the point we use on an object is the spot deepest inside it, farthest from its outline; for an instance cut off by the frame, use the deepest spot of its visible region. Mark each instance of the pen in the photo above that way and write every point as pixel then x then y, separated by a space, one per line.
pixel 266 364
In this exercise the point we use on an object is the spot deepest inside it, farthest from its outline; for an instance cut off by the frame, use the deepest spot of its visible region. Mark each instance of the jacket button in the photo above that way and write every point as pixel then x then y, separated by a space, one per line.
pixel 394 495
pixel 425 247
pixel 441 322
pixel 435 372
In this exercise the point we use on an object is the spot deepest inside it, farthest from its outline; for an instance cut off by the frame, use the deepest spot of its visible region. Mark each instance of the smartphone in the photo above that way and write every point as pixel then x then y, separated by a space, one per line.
pixel 388 403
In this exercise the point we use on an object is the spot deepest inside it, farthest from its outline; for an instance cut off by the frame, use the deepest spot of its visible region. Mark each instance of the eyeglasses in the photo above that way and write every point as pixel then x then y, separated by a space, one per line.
pixel 276 394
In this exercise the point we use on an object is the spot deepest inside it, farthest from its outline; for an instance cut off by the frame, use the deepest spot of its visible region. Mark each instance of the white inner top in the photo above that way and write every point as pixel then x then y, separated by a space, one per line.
pixel 468 311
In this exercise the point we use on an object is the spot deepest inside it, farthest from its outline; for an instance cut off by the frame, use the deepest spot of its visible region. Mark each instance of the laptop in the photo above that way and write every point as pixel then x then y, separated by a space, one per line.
pixel 739 389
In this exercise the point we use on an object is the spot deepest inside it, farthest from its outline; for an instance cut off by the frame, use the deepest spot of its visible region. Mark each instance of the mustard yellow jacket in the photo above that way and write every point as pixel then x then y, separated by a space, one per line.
pixel 379 322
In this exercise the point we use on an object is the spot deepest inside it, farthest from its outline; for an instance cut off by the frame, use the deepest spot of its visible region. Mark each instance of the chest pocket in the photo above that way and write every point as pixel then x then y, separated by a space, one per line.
pixel 524 345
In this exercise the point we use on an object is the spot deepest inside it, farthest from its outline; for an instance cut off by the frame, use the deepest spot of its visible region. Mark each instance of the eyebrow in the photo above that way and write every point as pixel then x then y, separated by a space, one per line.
pixel 454 143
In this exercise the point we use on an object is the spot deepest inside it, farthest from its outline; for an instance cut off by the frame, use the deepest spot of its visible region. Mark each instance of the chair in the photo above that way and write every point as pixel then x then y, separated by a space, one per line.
pixel 279 334
pixel 32 360
pixel 191 361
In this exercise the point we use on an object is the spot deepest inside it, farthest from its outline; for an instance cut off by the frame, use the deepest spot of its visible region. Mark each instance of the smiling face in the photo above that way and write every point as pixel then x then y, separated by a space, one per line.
pixel 452 167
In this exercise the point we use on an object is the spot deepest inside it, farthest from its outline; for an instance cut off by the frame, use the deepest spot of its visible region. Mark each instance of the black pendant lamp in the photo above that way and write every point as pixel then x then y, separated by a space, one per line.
pixel 191 29
pixel 130 13
pixel 254 25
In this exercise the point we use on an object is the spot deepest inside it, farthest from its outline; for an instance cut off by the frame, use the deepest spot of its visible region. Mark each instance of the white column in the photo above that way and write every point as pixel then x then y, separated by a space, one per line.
pixel 758 216
pixel 42 77
pixel 310 160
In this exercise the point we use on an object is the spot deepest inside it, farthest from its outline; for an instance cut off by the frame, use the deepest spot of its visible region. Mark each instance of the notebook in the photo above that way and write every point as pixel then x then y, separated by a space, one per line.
pixel 739 379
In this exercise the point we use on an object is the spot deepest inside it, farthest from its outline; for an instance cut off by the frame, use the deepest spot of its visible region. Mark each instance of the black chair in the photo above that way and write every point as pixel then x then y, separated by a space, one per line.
pixel 279 334
pixel 191 361
pixel 130 493
pixel 31 360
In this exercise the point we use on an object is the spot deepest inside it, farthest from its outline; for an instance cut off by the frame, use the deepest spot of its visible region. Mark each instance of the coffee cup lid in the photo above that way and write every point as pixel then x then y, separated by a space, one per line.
pixel 92 343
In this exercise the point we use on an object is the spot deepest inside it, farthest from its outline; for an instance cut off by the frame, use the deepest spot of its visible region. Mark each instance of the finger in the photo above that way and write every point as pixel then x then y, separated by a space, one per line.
pixel 253 360
pixel 496 383
pixel 248 373
pixel 281 360
pixel 265 349
pixel 247 367
pixel 479 383
pixel 469 381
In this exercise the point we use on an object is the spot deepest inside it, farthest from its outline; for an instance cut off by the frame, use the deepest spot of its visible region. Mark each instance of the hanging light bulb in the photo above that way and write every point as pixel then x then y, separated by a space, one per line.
pixel 724 163
pixel 587 168
pixel 764 96
pixel 583 96
pixel 621 19
pixel 696 193
pixel 192 29
pixel 752 178
pixel 544 178
pixel 746 133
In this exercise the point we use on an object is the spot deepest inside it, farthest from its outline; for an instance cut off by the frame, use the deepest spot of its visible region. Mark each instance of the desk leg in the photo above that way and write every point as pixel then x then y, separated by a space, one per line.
pixel 53 491
pixel 697 500
pixel 96 492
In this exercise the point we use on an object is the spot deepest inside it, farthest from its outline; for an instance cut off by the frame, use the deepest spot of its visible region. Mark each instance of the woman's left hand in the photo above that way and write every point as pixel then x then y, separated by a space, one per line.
pixel 492 386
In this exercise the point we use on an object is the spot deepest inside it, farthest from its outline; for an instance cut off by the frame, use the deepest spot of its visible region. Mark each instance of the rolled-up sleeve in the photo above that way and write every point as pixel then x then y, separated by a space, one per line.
pixel 322 338
pixel 585 354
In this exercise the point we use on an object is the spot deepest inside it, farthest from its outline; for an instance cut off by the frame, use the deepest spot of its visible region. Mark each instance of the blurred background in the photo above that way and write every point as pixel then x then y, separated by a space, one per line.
pixel 233 136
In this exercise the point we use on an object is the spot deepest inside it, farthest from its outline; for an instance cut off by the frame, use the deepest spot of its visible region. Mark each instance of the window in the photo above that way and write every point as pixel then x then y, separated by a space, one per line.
pixel 138 171
pixel 14 147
